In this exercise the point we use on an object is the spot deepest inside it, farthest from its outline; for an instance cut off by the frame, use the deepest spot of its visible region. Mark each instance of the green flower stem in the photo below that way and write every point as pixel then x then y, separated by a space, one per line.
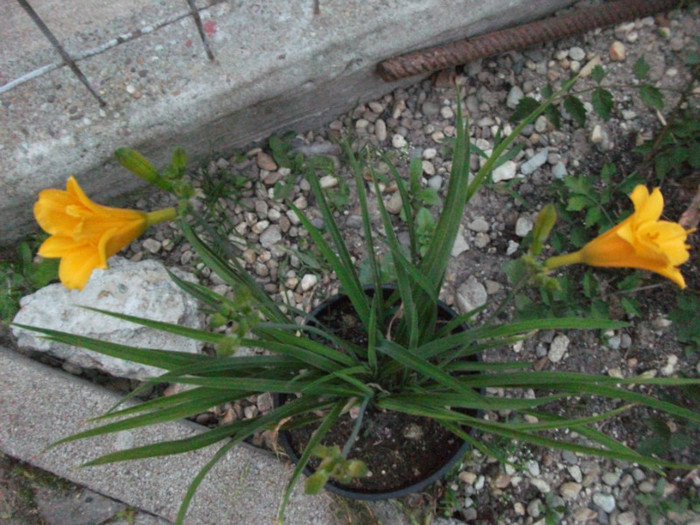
pixel 564 260
pixel 166 214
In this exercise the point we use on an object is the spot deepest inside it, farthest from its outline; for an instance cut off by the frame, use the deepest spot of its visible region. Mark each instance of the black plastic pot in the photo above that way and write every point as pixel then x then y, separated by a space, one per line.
pixel 370 495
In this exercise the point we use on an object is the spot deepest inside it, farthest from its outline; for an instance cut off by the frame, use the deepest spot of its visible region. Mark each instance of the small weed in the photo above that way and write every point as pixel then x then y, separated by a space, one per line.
pixel 663 440
pixel 21 275
pixel 686 321
pixel 669 508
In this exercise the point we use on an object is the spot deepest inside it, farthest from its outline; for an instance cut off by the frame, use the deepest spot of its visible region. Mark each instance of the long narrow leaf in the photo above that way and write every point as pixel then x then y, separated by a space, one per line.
pixel 166 359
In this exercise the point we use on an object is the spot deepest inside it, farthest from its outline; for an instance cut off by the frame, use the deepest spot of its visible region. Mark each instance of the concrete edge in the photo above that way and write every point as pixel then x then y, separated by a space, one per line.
pixel 40 405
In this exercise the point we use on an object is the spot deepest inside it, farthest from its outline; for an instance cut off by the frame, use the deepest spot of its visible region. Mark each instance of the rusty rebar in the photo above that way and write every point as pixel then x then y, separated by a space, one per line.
pixel 518 38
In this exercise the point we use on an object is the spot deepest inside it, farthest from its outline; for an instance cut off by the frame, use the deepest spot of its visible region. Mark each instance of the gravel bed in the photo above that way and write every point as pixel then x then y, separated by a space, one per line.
pixel 545 486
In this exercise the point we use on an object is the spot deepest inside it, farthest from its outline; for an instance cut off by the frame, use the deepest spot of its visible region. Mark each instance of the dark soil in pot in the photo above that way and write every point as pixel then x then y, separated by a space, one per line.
pixel 404 453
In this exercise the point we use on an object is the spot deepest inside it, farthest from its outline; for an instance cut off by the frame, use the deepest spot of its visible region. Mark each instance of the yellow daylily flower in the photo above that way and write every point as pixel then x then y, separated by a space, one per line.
pixel 640 241
pixel 85 234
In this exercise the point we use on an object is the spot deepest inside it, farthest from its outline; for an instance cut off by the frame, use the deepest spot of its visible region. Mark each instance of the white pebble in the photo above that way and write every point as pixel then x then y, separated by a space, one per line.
pixel 398 141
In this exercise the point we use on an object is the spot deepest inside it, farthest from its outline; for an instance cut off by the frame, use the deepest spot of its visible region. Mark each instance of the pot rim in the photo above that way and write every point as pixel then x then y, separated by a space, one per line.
pixel 370 495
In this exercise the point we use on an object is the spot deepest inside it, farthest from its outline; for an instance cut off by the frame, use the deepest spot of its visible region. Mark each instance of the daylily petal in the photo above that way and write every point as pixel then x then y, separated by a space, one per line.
pixel 76 267
pixel 85 234
pixel 641 241
pixel 56 246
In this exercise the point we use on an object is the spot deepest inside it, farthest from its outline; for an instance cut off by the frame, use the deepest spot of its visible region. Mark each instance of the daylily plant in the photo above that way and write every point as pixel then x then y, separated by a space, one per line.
pixel 411 363
pixel 85 234
pixel 641 241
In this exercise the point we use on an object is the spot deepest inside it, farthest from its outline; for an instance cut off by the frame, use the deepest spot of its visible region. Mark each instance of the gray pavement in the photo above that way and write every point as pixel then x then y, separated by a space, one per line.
pixel 40 405
pixel 278 65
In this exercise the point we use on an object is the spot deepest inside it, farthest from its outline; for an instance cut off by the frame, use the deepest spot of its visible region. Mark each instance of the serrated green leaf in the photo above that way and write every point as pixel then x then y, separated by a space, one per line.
pixel 429 196
pixel 577 203
pixel 598 74
pixel 651 96
pixel 602 101
pixel 574 107
pixel 525 107
pixel 630 306
pixel 553 115
pixel 640 68
pixel 593 216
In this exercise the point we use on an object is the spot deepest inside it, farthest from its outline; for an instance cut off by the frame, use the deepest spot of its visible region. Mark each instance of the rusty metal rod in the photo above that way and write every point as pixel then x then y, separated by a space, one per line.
pixel 518 38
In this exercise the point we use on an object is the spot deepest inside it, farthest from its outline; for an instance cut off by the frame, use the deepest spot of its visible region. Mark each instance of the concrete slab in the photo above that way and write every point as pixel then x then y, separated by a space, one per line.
pixel 39 405
pixel 279 65
pixel 24 49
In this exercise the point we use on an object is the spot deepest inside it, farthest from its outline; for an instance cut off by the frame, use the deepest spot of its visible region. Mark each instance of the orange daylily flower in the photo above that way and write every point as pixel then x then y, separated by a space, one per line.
pixel 85 234
pixel 640 241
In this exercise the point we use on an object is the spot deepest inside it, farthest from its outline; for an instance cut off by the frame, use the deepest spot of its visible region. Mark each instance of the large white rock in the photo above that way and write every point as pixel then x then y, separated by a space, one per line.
pixel 141 289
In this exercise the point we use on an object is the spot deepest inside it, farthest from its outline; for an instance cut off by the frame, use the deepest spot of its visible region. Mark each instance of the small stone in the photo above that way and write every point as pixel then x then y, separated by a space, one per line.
pixel 627 518
pixel 618 53
pixel 493 287
pixel 568 456
pixel 428 168
pixel 558 348
pixel 413 431
pixel 429 153
pixel 575 472
pixel 446 112
pixel 533 467
pixel 265 161
pixel 670 368
pixel 308 281
pixel 461 245
pixel 523 226
pixel 481 240
pixel 394 204
pixel 505 171
pixel 592 63
pixel 502 481
pixel 534 508
pixel 398 141
pixel 271 236
pixel 471 294
pixel 611 478
pixel 584 515
pixel 479 224
pixel 570 490
pixel 264 402
pixel 430 108
pixel 646 486
pixel 467 477
pixel 435 182
pixel 535 162
pixel 380 130
pixel 606 502
pixel 361 123
pixel 559 170
pixel 541 124
pixel 151 245
pixel 597 135
pixel 541 485
pixel 514 96
pixel 328 181
pixel 512 247
pixel 260 227
pixel 576 53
